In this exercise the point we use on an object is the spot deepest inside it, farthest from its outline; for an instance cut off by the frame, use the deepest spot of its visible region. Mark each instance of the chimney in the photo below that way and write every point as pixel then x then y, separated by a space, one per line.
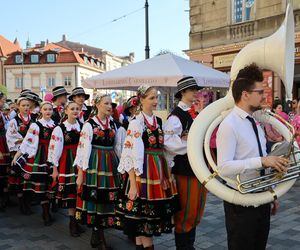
pixel 64 37
pixel 43 43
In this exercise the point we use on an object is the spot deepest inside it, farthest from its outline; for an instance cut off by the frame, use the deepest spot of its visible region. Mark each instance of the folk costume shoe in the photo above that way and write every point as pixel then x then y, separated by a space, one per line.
pixel 72 227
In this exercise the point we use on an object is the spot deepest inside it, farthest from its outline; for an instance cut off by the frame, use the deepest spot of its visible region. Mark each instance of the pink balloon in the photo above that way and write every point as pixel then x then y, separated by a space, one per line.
pixel 48 97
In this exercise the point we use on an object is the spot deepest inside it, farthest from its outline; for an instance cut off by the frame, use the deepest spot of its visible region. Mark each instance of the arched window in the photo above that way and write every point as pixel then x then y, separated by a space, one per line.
pixel 241 10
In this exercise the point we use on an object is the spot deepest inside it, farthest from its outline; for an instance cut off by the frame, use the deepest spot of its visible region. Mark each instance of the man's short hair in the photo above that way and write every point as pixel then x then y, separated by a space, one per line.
pixel 245 80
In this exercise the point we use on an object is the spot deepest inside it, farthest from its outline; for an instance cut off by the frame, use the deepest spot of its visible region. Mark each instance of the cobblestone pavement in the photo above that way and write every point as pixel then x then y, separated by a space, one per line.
pixel 27 232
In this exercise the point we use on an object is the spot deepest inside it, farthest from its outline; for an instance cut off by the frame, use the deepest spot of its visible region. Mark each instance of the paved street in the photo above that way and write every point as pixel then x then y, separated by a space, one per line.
pixel 22 232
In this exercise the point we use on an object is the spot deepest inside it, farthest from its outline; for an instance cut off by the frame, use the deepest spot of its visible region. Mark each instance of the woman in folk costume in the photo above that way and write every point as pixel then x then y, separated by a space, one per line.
pixel 37 172
pixel 98 176
pixel 150 197
pixel 4 159
pixel 17 129
pixel 79 96
pixel 62 152
pixel 191 192
pixel 34 103
pixel 130 108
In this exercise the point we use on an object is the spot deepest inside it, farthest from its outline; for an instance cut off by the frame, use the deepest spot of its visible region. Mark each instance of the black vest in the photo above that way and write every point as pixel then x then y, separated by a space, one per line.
pixel 56 116
pixel 182 165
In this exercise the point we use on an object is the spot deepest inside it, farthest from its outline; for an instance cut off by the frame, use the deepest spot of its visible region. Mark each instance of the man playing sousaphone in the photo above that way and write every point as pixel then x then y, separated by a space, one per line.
pixel 241 147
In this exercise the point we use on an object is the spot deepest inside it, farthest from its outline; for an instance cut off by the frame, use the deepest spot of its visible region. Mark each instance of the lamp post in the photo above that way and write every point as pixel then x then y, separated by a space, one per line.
pixel 3 59
pixel 147 48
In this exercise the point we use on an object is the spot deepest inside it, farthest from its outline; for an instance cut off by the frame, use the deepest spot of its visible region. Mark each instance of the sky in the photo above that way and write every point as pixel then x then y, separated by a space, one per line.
pixel 91 22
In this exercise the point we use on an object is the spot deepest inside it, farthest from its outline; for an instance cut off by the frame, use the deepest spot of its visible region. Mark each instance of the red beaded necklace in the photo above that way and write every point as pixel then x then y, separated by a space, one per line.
pixel 151 127
pixel 105 126
pixel 23 120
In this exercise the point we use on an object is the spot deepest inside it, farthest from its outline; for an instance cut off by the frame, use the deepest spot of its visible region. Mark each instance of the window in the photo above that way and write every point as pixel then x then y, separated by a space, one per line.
pixel 51 81
pixel 86 60
pixel 98 64
pixel 68 81
pixel 19 58
pixel 241 10
pixel 50 58
pixel 19 82
pixel 34 58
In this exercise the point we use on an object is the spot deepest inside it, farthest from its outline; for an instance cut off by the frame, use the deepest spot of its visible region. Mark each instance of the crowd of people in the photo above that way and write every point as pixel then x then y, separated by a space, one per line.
pixel 130 171
pixel 108 169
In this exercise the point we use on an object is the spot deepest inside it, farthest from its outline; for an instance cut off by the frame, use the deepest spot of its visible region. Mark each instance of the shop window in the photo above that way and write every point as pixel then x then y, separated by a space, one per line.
pixel 241 10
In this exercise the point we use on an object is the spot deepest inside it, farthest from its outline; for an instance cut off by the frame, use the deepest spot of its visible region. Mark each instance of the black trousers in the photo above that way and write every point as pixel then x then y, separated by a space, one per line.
pixel 247 227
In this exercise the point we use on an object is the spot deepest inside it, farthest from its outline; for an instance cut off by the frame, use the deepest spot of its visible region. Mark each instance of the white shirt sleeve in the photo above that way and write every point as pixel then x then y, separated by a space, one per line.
pixel 226 148
pixel 119 141
pixel 132 156
pixel 172 136
pixel 12 136
pixel 56 146
pixel 84 148
pixel 30 143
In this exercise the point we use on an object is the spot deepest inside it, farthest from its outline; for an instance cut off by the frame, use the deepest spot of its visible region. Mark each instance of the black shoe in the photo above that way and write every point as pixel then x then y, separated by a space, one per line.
pixel 79 228
pixel 72 227
pixel 95 239
pixel 46 215
pixel 139 247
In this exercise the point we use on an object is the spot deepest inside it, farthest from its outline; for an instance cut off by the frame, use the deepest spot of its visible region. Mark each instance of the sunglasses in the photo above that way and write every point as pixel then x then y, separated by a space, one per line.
pixel 259 91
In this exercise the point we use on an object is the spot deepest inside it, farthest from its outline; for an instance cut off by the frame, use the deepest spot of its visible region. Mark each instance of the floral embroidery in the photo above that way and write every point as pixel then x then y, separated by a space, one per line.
pixel 129 205
pixel 137 134
pixel 29 140
pixel 128 131
pixel 152 139
pixel 52 146
pixel 128 144
pixel 192 111
pixel 111 134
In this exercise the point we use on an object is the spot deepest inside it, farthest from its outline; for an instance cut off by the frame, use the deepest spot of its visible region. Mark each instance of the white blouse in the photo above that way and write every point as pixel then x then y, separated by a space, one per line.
pixel 173 143
pixel 30 143
pixel 133 149
pixel 84 148
pixel 57 142
pixel 12 136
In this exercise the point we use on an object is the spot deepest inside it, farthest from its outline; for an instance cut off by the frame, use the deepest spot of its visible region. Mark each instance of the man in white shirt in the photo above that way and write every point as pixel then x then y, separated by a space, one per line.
pixel 241 147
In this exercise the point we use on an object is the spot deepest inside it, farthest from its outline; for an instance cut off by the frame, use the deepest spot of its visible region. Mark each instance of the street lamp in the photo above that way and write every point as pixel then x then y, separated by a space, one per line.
pixel 3 59
pixel 147 48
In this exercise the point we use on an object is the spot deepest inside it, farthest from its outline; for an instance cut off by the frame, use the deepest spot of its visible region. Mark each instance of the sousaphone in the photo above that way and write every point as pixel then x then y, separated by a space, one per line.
pixel 275 53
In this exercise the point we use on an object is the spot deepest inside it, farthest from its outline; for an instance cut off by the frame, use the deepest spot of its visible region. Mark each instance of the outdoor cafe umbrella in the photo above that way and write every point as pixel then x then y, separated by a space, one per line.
pixel 161 71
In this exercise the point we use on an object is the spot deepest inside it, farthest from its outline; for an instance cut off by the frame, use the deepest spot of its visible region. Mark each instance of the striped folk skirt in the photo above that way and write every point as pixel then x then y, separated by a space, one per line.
pixel 192 196
pixel 67 191
pixel 4 163
pixel 151 213
pixel 38 179
pixel 100 189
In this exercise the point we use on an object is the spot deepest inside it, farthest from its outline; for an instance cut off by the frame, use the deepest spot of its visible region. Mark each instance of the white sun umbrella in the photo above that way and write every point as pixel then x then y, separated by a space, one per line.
pixel 160 71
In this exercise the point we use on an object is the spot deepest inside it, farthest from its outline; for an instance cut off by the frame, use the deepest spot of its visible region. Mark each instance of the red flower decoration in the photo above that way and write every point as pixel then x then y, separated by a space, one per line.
pixel 101 133
pixel 34 132
pixel 134 102
pixel 53 137
pixel 129 205
pixel 152 139
pixel 111 134
pixel 23 128
pixel 26 176
pixel 30 140
pixel 46 134
pixel 128 131
pixel 193 113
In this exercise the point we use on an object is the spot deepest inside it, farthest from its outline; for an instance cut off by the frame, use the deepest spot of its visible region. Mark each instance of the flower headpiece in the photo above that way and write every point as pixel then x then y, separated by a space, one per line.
pixel 142 90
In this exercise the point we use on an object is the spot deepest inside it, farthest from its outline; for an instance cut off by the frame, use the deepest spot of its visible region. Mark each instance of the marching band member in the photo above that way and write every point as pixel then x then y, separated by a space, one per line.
pixel 192 194
pixel 17 129
pixel 150 198
pixel 98 176
pixel 62 152
pixel 37 171
pixel 59 100
pixel 79 96
pixel 241 147
pixel 4 159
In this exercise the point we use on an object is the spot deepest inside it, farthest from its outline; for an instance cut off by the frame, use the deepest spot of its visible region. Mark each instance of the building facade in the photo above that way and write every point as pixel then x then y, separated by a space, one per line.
pixel 219 29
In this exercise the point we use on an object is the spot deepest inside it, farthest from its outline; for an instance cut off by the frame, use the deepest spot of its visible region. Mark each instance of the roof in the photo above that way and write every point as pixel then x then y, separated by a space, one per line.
pixel 7 47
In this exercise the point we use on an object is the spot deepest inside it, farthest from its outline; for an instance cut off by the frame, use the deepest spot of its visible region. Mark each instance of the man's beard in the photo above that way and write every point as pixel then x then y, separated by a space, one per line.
pixel 253 108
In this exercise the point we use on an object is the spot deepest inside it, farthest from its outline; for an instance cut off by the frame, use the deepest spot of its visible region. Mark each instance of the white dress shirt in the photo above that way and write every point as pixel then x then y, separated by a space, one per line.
pixel 237 147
